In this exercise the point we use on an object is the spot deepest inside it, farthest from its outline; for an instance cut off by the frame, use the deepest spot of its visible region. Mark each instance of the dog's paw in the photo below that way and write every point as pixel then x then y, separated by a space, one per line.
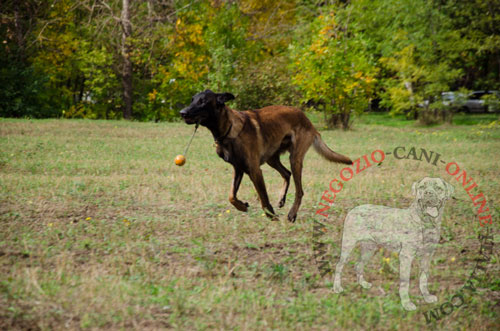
pixel 281 203
pixel 241 206
pixel 430 298
pixel 338 288
pixel 292 218
pixel 409 306
pixel 364 284
pixel 269 211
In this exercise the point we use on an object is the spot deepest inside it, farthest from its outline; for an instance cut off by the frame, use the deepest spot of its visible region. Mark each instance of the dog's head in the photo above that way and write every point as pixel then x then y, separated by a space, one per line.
pixel 204 106
pixel 431 195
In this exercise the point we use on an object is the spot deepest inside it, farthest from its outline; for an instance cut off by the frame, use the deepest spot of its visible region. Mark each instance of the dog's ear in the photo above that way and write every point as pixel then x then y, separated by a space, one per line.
pixel 449 188
pixel 222 98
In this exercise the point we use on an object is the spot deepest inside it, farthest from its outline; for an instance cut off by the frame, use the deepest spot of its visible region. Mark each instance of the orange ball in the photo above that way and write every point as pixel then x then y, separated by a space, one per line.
pixel 180 160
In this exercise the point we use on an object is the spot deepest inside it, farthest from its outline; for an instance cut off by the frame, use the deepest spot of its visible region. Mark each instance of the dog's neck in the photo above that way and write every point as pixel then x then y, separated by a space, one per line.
pixel 426 220
pixel 228 125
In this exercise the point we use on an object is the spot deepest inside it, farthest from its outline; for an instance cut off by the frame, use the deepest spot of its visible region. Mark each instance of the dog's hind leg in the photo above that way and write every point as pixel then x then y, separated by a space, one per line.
pixel 275 163
pixel 367 250
pixel 296 163
pixel 237 176
pixel 299 149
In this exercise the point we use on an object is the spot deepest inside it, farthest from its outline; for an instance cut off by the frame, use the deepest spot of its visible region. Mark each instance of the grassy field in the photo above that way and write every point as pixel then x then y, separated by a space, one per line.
pixel 100 230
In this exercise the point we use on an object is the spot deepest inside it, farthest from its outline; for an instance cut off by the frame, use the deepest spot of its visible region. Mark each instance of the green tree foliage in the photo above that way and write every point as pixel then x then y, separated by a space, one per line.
pixel 185 68
pixel 333 70
pixel 426 47
pixel 263 76
pixel 423 50
pixel 69 58
pixel 23 86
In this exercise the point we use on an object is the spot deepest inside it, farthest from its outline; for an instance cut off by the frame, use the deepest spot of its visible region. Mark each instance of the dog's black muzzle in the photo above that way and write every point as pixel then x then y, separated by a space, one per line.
pixel 189 116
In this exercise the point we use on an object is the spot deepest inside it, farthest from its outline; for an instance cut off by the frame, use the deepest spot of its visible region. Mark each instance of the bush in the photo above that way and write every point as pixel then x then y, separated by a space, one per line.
pixel 23 92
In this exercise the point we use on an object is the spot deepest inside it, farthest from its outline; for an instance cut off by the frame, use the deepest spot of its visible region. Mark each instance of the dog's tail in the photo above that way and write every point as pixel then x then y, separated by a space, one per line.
pixel 327 153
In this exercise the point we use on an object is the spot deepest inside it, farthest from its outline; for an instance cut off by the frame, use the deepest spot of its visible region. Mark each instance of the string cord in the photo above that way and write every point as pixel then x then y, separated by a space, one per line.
pixel 190 140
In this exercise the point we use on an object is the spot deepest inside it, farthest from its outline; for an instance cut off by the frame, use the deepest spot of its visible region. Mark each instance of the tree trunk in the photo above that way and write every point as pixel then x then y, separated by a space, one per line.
pixel 339 120
pixel 346 118
pixel 127 63
pixel 19 32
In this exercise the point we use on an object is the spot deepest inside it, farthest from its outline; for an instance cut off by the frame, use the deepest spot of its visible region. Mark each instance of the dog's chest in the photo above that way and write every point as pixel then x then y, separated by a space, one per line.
pixel 231 154
pixel 430 236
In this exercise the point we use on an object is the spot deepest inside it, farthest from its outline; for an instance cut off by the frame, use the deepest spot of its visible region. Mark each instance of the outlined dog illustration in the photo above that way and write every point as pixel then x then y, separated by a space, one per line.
pixel 412 232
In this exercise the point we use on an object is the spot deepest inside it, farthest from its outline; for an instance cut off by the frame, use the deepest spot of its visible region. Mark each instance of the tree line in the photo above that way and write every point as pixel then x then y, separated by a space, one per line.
pixel 143 60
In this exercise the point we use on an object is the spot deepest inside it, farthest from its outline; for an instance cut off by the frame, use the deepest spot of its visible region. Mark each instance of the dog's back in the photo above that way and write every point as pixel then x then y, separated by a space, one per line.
pixel 280 119
pixel 280 125
pixel 383 225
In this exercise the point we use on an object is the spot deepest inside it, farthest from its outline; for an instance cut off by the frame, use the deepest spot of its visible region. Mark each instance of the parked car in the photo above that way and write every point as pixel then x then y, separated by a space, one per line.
pixel 475 102
pixel 451 99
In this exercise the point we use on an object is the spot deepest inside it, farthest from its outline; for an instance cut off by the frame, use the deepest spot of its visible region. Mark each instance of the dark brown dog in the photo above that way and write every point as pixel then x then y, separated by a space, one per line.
pixel 247 139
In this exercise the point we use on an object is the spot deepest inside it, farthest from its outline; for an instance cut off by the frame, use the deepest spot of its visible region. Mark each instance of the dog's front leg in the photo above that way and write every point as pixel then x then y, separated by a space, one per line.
pixel 405 261
pixel 424 274
pixel 258 181
pixel 237 177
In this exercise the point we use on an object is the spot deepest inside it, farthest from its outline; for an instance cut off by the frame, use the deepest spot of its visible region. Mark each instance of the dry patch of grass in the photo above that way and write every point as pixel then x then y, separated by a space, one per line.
pixel 101 230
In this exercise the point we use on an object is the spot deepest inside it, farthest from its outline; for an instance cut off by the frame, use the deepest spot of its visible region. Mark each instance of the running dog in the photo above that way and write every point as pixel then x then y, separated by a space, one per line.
pixel 248 139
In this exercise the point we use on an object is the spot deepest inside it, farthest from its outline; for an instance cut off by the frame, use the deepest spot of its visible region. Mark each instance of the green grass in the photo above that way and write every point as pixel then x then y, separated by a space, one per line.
pixel 101 230
pixel 467 119
pixel 399 121
pixel 386 119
